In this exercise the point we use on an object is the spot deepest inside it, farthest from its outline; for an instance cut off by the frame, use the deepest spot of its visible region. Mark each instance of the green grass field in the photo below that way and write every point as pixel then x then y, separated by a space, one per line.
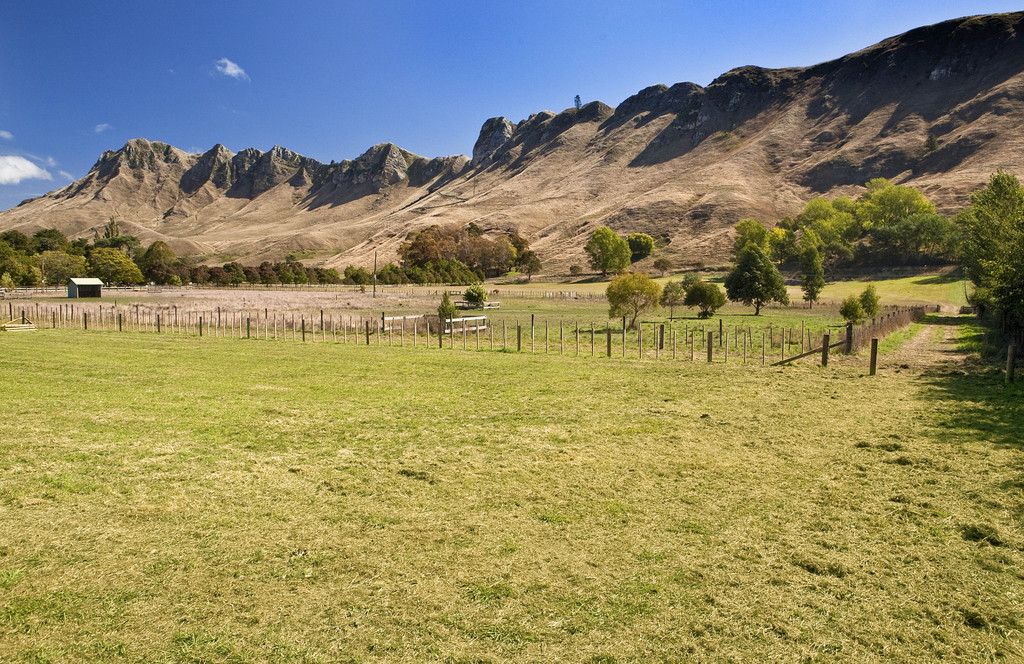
pixel 172 499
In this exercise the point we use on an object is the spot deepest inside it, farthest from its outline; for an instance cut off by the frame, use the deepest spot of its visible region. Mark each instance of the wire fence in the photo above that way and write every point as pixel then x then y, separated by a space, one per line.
pixel 673 339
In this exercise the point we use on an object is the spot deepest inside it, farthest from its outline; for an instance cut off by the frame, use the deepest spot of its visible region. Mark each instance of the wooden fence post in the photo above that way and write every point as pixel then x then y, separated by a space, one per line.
pixel 824 350
pixel 519 337
pixel 874 355
pixel 849 338
pixel 711 340
pixel 608 337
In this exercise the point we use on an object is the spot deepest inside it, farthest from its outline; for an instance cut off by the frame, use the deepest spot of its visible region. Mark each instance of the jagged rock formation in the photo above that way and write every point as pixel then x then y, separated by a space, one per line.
pixel 938 108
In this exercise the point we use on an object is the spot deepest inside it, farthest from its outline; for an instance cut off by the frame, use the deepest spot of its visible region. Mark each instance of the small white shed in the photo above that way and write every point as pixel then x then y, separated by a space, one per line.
pixel 85 287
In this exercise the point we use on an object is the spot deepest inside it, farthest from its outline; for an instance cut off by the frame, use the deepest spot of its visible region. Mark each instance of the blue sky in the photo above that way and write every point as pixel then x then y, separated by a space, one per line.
pixel 331 79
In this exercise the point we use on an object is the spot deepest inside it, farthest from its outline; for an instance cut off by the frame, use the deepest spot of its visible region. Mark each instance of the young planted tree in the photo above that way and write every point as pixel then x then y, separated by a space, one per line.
pixel 707 297
pixel 869 301
pixel 672 296
pixel 812 274
pixel 607 251
pixel 632 294
pixel 755 281
pixel 662 265
pixel 446 310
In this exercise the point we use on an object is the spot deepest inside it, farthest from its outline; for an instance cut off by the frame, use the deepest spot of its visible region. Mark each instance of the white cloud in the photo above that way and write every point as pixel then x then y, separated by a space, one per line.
pixel 103 126
pixel 66 175
pixel 14 169
pixel 231 69
pixel 6 135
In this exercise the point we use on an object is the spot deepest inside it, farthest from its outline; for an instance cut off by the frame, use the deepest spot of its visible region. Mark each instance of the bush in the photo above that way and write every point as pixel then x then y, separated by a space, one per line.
pixel 707 297
pixel 475 294
pixel 852 310
pixel 575 270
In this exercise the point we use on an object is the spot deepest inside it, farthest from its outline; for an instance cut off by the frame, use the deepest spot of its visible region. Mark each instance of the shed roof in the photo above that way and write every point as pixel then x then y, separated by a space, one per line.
pixel 86 281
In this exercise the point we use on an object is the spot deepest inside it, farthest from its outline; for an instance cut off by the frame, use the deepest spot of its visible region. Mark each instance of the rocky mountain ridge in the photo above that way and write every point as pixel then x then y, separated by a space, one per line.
pixel 938 108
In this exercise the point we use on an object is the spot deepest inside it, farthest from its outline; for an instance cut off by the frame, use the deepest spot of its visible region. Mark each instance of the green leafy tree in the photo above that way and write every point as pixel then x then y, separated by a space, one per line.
pixel 59 266
pixel 112 238
pixel 640 246
pixel 852 310
pixel 812 274
pixel 706 296
pixel 157 262
pixel 750 231
pixel 50 239
pixel 575 270
pixel 992 245
pixel 662 265
pixel 446 309
pixel 755 281
pixel 18 241
pixel 869 301
pixel 6 281
pixel 114 267
pixel 607 251
pixel 529 263
pixel 885 203
pixel 672 296
pixel 631 295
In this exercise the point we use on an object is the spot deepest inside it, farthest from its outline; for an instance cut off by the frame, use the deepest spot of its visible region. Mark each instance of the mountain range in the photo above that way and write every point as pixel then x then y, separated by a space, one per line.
pixel 939 108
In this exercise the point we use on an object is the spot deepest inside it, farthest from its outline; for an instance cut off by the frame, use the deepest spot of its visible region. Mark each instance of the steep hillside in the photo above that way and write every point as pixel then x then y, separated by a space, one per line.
pixel 682 163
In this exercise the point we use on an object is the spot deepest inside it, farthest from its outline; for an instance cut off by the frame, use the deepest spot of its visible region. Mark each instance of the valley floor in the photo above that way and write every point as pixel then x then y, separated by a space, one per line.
pixel 167 498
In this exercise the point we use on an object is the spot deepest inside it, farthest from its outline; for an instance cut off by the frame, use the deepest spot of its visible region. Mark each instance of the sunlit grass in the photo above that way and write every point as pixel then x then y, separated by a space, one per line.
pixel 175 499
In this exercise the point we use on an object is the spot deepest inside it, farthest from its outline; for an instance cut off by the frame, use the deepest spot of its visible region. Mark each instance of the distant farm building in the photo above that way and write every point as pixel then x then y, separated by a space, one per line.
pixel 85 287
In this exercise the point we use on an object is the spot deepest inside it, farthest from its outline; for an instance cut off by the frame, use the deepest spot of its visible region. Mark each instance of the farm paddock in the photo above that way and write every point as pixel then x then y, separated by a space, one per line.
pixel 227 500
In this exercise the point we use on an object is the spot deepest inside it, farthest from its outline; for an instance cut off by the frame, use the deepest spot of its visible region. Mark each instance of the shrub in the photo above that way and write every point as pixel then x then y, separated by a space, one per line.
pixel 662 265
pixel 575 270
pixel 852 310
pixel 475 294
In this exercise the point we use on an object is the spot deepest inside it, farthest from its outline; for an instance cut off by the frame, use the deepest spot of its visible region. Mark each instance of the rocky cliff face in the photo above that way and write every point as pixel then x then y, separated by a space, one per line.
pixel 939 108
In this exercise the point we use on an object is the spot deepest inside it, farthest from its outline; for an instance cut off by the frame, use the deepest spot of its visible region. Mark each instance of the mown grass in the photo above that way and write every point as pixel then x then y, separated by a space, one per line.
pixel 216 500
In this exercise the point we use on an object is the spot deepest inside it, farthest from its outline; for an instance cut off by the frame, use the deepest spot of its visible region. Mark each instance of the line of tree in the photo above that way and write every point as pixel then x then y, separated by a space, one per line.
pixel 439 254
pixel 888 225
pixel 991 247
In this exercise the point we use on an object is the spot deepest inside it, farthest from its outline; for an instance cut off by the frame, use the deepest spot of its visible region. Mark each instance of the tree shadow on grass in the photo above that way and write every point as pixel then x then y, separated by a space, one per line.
pixel 985 407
